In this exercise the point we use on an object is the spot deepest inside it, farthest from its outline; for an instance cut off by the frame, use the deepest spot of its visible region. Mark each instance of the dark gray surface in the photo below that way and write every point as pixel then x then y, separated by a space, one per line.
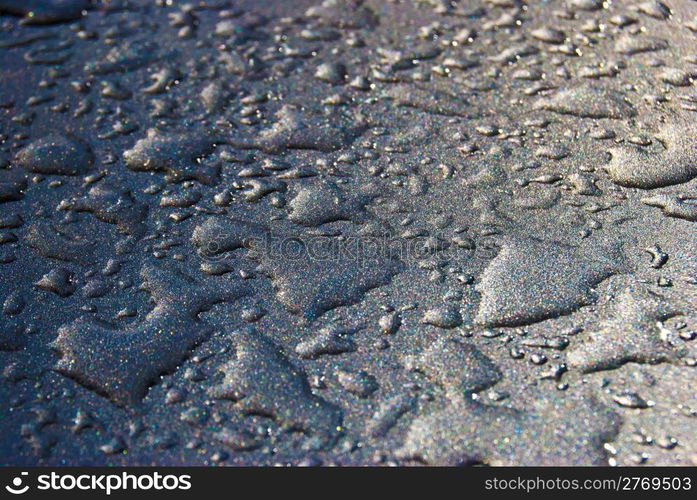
pixel 348 233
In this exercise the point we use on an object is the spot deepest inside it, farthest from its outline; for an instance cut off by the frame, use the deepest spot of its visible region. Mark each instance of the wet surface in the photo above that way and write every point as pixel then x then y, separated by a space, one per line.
pixel 344 232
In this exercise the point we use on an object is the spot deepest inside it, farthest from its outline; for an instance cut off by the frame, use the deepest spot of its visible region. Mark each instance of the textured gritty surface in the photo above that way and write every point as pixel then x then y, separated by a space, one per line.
pixel 348 232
